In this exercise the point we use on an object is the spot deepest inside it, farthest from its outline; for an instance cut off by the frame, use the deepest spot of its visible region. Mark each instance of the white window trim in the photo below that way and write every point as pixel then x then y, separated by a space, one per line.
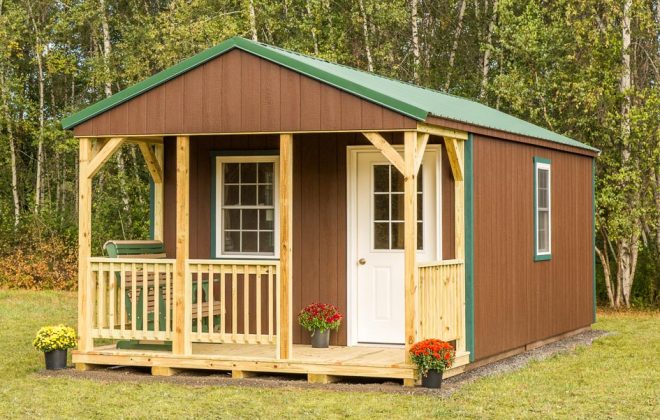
pixel 538 167
pixel 219 237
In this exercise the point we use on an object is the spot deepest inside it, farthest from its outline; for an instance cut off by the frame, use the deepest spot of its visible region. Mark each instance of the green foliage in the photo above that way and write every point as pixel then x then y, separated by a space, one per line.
pixel 555 63
pixel 58 337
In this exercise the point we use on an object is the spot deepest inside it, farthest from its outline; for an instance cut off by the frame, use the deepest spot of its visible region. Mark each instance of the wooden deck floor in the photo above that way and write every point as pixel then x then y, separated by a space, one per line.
pixel 242 359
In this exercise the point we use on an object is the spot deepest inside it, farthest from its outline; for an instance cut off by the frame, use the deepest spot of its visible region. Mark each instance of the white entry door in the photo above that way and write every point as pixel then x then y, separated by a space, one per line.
pixel 377 258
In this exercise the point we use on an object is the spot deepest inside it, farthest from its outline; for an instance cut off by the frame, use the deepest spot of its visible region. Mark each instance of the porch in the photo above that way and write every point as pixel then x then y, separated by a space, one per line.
pixel 237 314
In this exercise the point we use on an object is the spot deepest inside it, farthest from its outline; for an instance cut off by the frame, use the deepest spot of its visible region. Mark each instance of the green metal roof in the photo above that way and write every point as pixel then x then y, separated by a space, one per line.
pixel 405 98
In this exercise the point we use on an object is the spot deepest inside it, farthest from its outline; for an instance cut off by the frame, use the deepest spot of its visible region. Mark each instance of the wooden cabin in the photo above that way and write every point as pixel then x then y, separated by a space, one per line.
pixel 280 180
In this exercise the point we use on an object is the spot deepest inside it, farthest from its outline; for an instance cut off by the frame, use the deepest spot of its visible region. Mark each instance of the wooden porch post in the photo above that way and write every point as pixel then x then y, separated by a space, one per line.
pixel 410 239
pixel 85 342
pixel 284 331
pixel 181 343
pixel 159 196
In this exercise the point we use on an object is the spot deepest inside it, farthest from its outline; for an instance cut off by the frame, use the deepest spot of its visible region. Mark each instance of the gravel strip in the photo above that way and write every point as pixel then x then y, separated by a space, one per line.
pixel 202 378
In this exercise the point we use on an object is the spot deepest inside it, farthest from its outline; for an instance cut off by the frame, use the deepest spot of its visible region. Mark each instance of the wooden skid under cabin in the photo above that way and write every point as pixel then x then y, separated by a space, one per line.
pixel 280 180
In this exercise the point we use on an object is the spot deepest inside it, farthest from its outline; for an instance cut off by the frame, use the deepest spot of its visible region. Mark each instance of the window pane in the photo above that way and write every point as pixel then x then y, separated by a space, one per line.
pixel 381 236
pixel 232 241
pixel 420 236
pixel 248 195
pixel 543 198
pixel 397 235
pixel 266 219
pixel 231 173
pixel 265 172
pixel 232 219
pixel 543 176
pixel 420 207
pixel 420 181
pixel 381 178
pixel 265 195
pixel 266 242
pixel 249 241
pixel 230 195
pixel 248 173
pixel 543 231
pixel 397 207
pixel 249 219
pixel 381 204
pixel 397 180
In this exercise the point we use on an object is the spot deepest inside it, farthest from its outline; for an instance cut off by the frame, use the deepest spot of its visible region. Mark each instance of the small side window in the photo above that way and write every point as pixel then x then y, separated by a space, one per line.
pixel 542 209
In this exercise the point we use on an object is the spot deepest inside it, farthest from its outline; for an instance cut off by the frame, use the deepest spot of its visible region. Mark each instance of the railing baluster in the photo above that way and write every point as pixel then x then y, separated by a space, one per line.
pixel 122 298
pixel 101 299
pixel 168 300
pixel 156 299
pixel 246 301
pixel 199 300
pixel 111 298
pixel 223 303
pixel 257 285
pixel 134 300
pixel 209 298
pixel 271 315
pixel 234 303
pixel 145 301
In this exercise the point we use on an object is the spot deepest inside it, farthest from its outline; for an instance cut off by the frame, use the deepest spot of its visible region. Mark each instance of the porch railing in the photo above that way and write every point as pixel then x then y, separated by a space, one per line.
pixel 234 301
pixel 131 299
pixel 441 299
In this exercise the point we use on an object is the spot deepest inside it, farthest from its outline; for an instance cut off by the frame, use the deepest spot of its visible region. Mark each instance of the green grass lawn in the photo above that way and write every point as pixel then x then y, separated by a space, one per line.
pixel 618 376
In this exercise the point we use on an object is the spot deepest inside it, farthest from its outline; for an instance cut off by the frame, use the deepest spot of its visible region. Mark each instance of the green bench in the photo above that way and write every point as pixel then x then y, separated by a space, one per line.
pixel 150 249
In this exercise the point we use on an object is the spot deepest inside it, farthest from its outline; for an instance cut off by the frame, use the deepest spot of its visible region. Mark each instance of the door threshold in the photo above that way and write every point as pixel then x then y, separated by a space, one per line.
pixel 388 345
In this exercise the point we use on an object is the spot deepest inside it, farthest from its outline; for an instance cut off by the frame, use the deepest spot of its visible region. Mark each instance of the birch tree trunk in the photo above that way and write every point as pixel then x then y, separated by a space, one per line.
pixel 605 262
pixel 311 18
pixel 12 145
pixel 454 47
pixel 485 63
pixel 38 189
pixel 415 38
pixel 628 245
pixel 253 20
pixel 365 33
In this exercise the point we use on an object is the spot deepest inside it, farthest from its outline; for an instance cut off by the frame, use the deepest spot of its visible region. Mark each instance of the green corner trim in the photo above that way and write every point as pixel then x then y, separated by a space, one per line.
pixel 593 226
pixel 537 257
pixel 469 246
pixel 152 209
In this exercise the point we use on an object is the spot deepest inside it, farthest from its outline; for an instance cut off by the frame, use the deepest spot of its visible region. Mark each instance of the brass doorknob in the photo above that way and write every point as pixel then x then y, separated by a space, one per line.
pixel 362 261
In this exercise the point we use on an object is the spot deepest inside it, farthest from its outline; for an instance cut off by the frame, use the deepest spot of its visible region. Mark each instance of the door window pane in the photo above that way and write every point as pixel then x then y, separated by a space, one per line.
pixel 389 209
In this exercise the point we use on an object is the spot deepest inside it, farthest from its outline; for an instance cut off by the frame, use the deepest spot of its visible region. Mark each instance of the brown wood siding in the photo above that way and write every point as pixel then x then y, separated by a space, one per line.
pixel 239 92
pixel 319 210
pixel 517 300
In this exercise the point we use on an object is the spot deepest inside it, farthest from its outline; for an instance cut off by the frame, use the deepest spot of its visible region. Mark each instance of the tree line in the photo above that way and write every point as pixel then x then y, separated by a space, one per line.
pixel 588 69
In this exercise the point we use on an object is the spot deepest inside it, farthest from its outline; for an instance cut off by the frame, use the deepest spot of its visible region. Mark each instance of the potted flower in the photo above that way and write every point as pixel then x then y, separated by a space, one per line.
pixel 432 357
pixel 54 342
pixel 319 319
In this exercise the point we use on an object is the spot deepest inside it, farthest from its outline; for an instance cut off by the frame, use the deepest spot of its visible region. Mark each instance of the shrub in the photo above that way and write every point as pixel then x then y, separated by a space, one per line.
pixel 320 316
pixel 58 337
pixel 432 354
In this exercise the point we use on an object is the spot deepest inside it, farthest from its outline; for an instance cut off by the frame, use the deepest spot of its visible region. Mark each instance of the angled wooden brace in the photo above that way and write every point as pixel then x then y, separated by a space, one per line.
pixel 152 162
pixel 387 150
pixel 104 155
pixel 422 141
pixel 455 158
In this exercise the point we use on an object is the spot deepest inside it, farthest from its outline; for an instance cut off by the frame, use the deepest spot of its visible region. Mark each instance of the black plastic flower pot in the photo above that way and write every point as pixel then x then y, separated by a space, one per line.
pixel 56 359
pixel 320 340
pixel 432 379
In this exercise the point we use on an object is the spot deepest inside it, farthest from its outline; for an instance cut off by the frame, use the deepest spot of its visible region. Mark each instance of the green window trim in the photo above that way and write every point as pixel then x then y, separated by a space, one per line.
pixel 542 256
pixel 469 245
